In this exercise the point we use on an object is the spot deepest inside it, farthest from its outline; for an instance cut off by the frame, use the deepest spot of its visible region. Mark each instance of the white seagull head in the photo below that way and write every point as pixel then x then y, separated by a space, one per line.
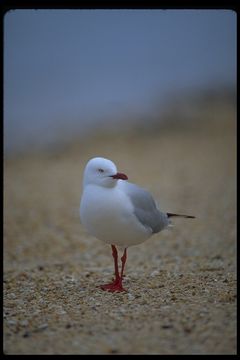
pixel 102 172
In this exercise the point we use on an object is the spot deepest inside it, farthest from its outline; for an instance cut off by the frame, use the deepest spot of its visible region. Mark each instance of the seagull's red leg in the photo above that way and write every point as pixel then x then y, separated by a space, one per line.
pixel 115 256
pixel 123 259
pixel 117 284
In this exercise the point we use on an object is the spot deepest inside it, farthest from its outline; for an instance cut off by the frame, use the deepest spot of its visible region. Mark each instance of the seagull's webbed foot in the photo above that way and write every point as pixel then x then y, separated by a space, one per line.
pixel 113 287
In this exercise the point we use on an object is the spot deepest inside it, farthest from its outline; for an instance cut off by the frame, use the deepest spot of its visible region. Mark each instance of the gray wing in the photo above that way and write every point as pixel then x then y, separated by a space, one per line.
pixel 145 208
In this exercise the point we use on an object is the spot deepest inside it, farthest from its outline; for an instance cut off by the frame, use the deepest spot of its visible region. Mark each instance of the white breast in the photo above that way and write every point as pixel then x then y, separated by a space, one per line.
pixel 107 213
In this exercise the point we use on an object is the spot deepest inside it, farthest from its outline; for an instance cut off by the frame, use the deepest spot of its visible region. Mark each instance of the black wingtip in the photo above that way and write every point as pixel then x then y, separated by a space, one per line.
pixel 185 216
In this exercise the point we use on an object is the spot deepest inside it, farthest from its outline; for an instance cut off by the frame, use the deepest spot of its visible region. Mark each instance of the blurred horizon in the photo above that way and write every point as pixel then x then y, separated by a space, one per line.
pixel 69 73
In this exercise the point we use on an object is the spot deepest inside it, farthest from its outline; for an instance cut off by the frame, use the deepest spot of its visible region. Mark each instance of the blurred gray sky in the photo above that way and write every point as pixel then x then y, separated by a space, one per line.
pixel 66 70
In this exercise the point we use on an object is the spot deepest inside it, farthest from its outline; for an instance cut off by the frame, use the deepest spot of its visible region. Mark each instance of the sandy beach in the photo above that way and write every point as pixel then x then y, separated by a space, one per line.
pixel 181 283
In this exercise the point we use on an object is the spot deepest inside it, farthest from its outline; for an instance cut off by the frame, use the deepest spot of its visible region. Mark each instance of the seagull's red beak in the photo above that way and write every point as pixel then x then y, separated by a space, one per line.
pixel 120 176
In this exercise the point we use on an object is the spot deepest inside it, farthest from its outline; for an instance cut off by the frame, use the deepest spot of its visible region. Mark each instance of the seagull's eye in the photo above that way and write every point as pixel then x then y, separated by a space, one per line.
pixel 100 170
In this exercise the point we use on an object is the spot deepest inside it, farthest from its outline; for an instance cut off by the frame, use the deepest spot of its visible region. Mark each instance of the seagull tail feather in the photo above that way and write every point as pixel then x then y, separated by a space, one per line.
pixel 180 215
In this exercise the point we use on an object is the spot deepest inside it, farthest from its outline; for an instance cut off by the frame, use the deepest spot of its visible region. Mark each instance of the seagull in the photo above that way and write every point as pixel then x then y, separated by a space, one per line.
pixel 118 212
